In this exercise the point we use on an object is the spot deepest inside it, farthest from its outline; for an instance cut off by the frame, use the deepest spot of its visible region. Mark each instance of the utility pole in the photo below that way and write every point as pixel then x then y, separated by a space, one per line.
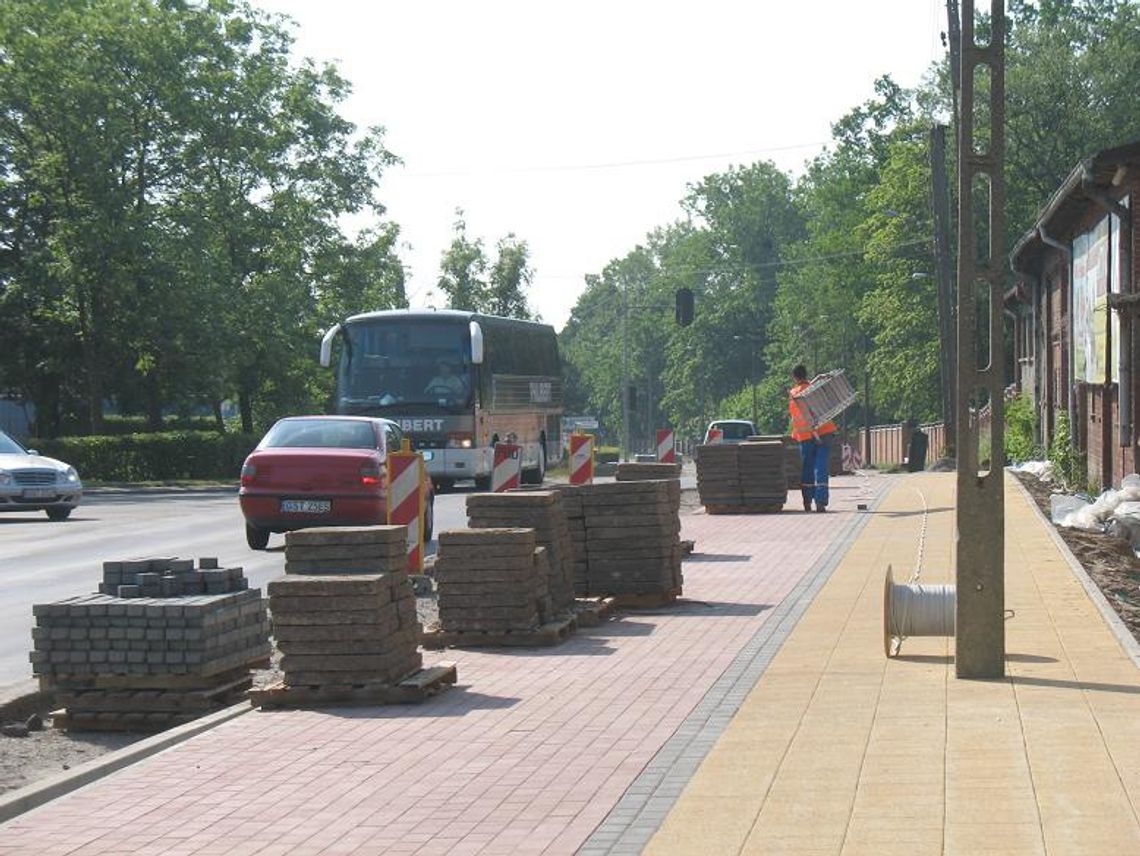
pixel 940 198
pixel 624 456
pixel 979 612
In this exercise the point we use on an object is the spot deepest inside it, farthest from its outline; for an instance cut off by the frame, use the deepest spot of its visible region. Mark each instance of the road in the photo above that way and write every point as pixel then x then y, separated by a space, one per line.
pixel 42 561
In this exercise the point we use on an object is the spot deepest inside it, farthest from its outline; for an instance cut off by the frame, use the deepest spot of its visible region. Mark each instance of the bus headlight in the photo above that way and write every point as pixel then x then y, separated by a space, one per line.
pixel 459 441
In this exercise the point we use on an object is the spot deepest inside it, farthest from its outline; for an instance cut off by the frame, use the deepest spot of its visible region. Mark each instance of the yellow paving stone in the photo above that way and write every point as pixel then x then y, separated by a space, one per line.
pixel 865 755
pixel 714 826
pixel 995 839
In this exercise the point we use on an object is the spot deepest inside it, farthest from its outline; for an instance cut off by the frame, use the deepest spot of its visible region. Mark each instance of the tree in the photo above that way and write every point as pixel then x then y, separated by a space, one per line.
pixel 510 278
pixel 462 270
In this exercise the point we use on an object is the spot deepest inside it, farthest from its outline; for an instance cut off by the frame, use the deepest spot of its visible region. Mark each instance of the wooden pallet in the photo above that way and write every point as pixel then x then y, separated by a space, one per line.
pixel 190 681
pixel 552 633
pixel 414 689
pixel 770 508
pixel 138 721
pixel 192 702
pixel 647 600
pixel 592 611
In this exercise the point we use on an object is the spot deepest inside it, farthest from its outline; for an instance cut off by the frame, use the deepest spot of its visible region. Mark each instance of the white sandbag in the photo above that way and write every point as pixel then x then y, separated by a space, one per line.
pixel 1125 522
pixel 1074 512
pixel 1042 470
pixel 1130 488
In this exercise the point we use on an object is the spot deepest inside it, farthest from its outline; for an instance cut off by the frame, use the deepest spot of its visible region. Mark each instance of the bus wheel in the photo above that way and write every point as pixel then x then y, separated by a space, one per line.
pixel 444 486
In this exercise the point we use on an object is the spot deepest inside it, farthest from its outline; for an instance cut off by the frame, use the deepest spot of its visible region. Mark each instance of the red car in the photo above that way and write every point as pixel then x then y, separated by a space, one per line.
pixel 321 471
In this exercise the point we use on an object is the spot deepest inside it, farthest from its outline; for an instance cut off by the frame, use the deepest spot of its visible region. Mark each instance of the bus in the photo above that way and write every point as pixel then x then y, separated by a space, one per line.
pixel 457 383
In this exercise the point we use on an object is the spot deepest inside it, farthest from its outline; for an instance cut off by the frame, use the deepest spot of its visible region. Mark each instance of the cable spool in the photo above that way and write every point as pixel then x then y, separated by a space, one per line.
pixel 915 609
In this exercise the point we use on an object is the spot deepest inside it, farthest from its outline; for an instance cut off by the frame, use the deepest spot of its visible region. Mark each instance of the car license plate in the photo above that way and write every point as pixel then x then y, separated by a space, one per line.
pixel 306 506
pixel 38 492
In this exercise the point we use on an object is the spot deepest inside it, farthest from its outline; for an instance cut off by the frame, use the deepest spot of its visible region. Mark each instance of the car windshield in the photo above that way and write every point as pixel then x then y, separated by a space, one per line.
pixel 320 434
pixel 400 362
pixel 8 446
pixel 735 430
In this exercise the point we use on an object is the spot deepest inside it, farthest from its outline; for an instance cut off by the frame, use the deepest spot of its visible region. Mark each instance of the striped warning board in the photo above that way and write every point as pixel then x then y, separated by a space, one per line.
pixel 715 436
pixel 666 452
pixel 581 459
pixel 508 467
pixel 406 502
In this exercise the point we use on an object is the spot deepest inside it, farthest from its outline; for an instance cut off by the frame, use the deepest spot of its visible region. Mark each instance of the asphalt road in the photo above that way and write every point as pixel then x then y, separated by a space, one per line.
pixel 42 561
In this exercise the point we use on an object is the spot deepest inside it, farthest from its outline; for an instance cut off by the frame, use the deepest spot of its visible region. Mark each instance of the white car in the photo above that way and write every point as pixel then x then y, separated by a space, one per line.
pixel 31 482
pixel 732 430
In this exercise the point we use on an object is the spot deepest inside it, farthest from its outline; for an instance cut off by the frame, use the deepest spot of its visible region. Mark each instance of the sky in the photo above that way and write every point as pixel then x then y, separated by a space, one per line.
pixel 578 127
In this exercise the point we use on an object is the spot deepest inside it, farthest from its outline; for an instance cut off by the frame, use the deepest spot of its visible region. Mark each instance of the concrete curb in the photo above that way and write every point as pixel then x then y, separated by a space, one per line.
pixel 37 794
pixel 1115 623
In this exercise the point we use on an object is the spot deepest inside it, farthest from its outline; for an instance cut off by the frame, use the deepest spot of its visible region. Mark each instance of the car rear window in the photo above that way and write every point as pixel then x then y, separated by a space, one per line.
pixel 320 434
pixel 735 430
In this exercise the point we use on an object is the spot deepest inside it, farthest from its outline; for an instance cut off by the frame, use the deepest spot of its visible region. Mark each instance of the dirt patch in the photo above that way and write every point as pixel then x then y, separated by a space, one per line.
pixel 41 754
pixel 1107 560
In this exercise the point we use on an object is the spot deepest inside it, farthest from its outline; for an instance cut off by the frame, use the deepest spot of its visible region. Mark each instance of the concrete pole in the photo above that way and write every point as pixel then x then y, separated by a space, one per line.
pixel 979 640
pixel 624 376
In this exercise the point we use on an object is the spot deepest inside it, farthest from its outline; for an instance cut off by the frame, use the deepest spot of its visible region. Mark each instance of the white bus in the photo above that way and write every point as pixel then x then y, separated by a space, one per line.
pixel 456 383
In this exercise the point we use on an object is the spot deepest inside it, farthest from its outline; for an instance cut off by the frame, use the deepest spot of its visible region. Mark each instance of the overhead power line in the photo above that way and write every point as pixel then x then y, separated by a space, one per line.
pixel 607 164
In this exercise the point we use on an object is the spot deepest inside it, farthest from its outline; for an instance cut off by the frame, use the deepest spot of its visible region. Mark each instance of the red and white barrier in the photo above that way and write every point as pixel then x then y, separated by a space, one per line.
pixel 715 435
pixel 406 502
pixel 581 459
pixel 852 460
pixel 507 473
pixel 666 449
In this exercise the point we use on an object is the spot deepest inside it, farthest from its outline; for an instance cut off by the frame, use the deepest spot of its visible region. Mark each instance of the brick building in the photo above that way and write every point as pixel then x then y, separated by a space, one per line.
pixel 1073 301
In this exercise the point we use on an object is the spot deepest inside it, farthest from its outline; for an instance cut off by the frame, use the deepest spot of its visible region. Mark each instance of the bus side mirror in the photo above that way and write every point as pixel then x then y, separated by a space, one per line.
pixel 326 345
pixel 476 343
pixel 684 311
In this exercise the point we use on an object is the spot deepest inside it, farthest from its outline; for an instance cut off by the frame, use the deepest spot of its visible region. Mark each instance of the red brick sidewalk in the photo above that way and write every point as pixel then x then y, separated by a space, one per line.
pixel 528 755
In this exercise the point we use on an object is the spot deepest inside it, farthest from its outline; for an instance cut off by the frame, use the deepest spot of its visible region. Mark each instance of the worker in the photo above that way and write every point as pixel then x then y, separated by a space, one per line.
pixel 815 444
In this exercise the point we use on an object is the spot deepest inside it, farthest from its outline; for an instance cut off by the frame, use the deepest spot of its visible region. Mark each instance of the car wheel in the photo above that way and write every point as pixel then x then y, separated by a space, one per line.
pixel 58 513
pixel 256 537
pixel 429 519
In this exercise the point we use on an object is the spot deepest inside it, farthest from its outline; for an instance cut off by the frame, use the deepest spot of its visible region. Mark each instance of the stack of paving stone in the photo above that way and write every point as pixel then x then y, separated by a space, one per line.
pixel 793 462
pixel 491 581
pixel 540 510
pixel 337 630
pixel 647 471
pixel 145 663
pixel 576 526
pixel 169 577
pixel 347 550
pixel 763 477
pixel 632 538
pixel 718 474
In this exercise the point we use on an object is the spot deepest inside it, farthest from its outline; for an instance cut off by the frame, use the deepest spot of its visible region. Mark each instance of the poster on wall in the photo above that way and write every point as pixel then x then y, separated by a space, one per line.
pixel 1082 311
pixel 1090 304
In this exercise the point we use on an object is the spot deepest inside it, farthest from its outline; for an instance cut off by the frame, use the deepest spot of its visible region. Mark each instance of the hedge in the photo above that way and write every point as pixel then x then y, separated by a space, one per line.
pixel 168 456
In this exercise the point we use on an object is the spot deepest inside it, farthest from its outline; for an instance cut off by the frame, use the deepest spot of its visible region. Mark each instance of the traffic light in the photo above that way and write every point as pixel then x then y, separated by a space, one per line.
pixel 684 312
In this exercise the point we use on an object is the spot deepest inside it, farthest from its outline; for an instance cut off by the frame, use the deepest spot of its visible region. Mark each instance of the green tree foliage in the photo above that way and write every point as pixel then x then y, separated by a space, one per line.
pixel 510 277
pixel 835 268
pixel 471 283
pixel 173 181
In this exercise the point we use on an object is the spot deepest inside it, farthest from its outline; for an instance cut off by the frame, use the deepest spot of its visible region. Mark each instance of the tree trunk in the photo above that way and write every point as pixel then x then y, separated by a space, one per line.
pixel 153 403
pixel 245 404
pixel 218 420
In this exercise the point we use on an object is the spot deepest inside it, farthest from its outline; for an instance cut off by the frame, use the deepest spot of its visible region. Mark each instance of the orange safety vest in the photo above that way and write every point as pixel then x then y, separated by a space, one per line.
pixel 801 422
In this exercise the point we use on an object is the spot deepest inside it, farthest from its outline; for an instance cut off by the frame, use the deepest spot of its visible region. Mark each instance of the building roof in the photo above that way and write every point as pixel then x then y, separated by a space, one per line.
pixel 1069 204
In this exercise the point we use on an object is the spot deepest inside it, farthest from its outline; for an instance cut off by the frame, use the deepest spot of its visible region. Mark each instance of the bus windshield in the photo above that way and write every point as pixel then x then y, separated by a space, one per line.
pixel 399 362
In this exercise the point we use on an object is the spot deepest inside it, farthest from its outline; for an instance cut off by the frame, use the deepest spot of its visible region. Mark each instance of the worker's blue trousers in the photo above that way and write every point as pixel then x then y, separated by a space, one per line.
pixel 813 476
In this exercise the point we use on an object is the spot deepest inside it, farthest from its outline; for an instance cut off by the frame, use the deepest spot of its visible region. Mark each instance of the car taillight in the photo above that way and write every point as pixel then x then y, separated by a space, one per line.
pixel 248 472
pixel 459 441
pixel 370 475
